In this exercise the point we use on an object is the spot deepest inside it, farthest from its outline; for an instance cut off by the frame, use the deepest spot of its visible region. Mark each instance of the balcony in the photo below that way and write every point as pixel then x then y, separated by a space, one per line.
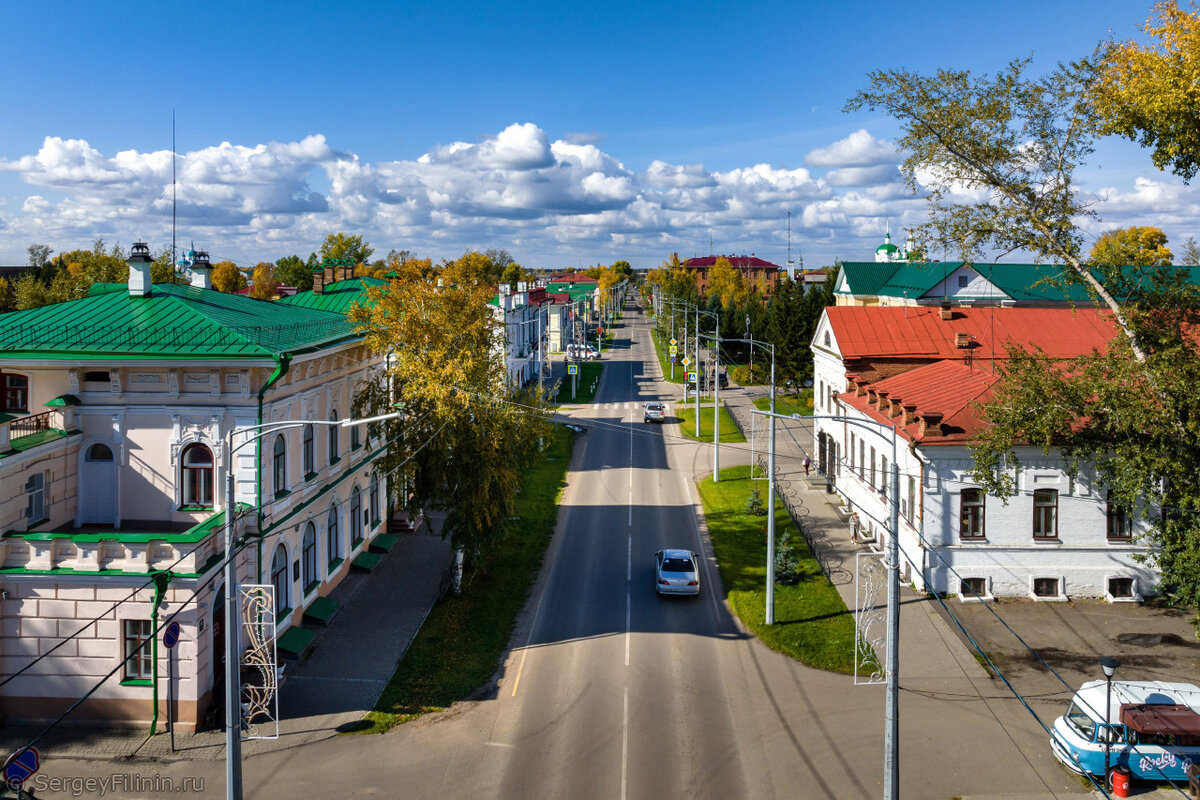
pixel 21 433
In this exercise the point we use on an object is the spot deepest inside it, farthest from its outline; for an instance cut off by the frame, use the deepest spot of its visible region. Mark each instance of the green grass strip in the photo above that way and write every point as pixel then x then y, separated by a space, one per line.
pixel 457 649
pixel 812 624
pixel 589 382
pixel 662 346
pixel 687 426
pixel 801 404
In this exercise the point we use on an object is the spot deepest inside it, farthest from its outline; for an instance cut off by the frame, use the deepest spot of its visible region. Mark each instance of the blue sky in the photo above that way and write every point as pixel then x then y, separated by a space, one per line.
pixel 570 134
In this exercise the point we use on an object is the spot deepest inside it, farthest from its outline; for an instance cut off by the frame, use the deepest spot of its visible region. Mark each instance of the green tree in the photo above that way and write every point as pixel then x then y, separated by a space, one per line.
pixel 464 442
pixel 164 269
pixel 7 299
pixel 341 245
pixel 512 274
pixel 39 255
pixel 1149 94
pixel 623 268
pixel 226 277
pixel 1139 246
pixel 1128 417
pixel 292 271
pixel 726 283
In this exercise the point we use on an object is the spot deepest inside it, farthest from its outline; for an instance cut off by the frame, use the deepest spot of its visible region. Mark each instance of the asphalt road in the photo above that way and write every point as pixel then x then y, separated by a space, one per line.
pixel 612 692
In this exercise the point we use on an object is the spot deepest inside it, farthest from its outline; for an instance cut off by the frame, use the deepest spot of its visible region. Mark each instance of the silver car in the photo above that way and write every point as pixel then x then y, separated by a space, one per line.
pixel 653 412
pixel 676 572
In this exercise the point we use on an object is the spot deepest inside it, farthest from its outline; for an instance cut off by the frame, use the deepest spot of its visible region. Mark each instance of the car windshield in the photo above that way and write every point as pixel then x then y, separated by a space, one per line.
pixel 678 565
pixel 654 407
pixel 1078 719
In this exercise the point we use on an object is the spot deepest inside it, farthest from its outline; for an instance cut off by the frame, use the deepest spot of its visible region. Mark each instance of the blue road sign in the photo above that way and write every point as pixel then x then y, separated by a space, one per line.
pixel 691 377
pixel 672 358
pixel 171 635
pixel 21 766
pixel 572 369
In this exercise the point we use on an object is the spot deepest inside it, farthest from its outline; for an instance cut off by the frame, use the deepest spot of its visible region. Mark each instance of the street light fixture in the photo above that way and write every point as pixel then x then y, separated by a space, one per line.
pixel 233 687
pixel 1108 665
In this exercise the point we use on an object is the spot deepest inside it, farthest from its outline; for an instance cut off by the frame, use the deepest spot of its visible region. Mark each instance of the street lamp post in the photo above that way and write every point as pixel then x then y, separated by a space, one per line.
pixel 233 687
pixel 1108 665
pixel 891 737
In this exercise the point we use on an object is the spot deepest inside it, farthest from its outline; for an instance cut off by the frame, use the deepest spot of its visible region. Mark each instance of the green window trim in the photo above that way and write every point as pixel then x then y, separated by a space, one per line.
pixel 308 476
pixel 137 682
pixel 195 508
pixel 311 588
pixel 333 565
pixel 282 493
pixel 284 613
pixel 335 460
pixel 375 525
pixel 36 523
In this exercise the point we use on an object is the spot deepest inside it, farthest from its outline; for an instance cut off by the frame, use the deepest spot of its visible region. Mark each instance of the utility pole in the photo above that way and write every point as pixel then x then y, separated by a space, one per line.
pixel 717 404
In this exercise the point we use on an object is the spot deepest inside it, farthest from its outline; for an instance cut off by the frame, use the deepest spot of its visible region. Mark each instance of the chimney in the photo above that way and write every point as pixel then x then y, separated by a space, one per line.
pixel 330 271
pixel 944 312
pixel 893 409
pixel 931 424
pixel 882 405
pixel 962 339
pixel 910 413
pixel 139 260
pixel 347 269
pixel 851 382
pixel 201 271
pixel 318 273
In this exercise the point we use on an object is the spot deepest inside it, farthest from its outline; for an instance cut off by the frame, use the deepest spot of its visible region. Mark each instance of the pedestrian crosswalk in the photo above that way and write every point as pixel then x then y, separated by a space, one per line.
pixel 626 406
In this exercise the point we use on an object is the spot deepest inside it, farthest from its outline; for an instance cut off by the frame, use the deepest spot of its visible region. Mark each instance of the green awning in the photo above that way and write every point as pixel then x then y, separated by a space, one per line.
pixel 63 400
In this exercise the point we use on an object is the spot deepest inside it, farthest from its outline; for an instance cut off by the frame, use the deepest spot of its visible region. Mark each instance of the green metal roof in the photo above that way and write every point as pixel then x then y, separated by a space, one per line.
pixel 337 297
pixel 173 321
pixel 1021 282
pixel 577 291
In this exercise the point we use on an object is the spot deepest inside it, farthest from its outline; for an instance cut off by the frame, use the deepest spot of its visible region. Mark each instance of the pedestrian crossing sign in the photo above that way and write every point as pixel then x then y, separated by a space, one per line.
pixel 572 369
pixel 691 377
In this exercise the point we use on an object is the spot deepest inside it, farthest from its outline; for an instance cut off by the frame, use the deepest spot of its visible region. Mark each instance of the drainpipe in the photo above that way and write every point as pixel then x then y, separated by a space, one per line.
pixel 161 581
pixel 281 367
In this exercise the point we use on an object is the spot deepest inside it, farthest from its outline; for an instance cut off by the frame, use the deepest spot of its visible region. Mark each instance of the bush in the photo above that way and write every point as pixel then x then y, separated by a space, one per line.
pixel 754 504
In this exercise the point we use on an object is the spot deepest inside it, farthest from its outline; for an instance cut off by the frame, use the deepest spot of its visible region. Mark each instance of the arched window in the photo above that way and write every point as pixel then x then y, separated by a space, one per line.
pixel 374 498
pixel 333 438
pixel 197 464
pixel 279 579
pixel 333 538
pixel 102 452
pixel 310 458
pixel 356 526
pixel 279 464
pixel 308 557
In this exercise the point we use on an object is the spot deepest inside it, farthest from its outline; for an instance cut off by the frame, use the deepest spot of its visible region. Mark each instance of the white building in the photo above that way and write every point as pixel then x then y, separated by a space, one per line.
pixel 111 501
pixel 525 315
pixel 903 384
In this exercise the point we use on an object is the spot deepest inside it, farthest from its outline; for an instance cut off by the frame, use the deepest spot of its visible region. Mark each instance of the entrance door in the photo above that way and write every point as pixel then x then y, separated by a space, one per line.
pixel 98 479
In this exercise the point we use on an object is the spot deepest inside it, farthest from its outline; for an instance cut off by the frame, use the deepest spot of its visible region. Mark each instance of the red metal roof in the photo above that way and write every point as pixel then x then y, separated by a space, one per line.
pixel 1166 719
pixel 949 388
pixel 919 332
pixel 705 262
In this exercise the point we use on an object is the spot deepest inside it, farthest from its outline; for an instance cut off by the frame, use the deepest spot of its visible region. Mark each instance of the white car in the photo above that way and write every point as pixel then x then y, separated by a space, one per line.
pixel 582 351
pixel 676 572
pixel 653 412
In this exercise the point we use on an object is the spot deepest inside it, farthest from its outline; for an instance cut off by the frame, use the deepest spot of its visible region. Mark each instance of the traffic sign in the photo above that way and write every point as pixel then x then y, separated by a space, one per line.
pixel 691 377
pixel 171 635
pixel 672 358
pixel 572 369
pixel 673 342
pixel 686 361
pixel 22 765
pixel 674 349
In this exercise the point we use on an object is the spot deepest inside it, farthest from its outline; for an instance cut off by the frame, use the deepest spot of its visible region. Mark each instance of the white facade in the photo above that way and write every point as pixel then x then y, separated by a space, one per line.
pixel 526 331
pixel 1053 540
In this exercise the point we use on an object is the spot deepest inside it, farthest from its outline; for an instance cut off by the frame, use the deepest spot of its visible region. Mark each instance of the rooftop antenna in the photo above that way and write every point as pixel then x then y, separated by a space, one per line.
pixel 791 271
pixel 710 245
pixel 172 186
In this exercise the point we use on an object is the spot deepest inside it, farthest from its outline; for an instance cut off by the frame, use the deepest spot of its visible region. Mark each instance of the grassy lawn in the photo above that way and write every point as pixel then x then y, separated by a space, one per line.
pixel 729 431
pixel 589 381
pixel 458 647
pixel 662 346
pixel 812 624
pixel 801 404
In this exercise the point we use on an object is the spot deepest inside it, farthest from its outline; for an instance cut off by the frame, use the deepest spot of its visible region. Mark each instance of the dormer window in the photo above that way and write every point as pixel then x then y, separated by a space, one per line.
pixel 828 340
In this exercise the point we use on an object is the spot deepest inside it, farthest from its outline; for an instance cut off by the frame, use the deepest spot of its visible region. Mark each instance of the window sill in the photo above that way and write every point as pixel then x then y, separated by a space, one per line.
pixel 31 525
pixel 311 588
pixel 195 508
pixel 357 543
pixel 282 493
pixel 1046 540
pixel 972 540
pixel 1122 540
pixel 283 614
pixel 334 460
pixel 137 682
pixel 333 565
pixel 308 476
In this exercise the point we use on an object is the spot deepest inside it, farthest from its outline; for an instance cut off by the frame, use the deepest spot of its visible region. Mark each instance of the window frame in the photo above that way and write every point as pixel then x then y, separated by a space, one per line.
pixel 14 399
pixel 136 650
pixel 333 535
pixel 196 481
pixel 972 514
pixel 1117 517
pixel 1132 594
pixel 973 593
pixel 1057 583
pixel 35 493
pixel 279 464
pixel 281 580
pixel 356 523
pixel 308 558
pixel 373 499
pixel 1043 509
pixel 332 440
pixel 309 447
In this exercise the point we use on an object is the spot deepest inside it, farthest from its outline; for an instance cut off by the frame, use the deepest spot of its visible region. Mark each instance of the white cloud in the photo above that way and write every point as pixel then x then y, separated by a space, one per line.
pixel 552 202
pixel 859 149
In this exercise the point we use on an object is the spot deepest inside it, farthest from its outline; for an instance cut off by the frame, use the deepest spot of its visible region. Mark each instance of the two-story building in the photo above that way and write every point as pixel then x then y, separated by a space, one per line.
pixel 119 413
pixel 902 386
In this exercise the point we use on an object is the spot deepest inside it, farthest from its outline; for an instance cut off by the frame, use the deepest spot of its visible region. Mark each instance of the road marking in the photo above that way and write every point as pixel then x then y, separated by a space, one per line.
pixel 625 746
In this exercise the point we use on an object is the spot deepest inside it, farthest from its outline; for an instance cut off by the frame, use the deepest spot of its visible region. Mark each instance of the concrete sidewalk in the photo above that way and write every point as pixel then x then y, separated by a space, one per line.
pixel 337 684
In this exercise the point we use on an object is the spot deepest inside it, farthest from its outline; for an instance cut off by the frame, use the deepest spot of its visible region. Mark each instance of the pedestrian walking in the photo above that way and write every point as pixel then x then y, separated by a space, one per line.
pixel 807 464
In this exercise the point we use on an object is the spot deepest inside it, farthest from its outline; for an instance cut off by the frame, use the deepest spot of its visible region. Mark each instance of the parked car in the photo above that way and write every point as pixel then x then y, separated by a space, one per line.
pixel 582 351
pixel 653 412
pixel 676 572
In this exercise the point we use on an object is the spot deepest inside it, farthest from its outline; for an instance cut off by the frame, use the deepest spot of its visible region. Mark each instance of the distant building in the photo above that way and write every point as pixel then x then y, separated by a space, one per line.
pixel 757 273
